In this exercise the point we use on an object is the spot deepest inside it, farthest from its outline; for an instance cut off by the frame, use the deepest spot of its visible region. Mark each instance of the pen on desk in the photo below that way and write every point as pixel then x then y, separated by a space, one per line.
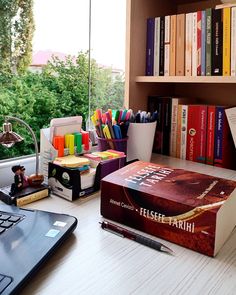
pixel 125 233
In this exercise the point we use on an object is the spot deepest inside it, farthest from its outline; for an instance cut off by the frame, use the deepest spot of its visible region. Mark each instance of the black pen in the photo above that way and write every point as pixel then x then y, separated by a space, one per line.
pixel 123 232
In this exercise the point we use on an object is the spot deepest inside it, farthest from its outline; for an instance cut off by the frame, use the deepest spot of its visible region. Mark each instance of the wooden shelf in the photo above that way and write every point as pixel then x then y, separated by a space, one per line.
pixel 185 79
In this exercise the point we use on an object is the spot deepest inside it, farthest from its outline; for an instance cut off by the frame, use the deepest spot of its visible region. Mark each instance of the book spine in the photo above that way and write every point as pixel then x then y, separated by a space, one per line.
pixel 203 43
pixel 208 41
pixel 211 112
pixel 193 119
pixel 201 134
pixel 157 46
pixel 172 45
pixel 32 198
pixel 183 132
pixel 188 45
pixel 150 46
pixel 217 39
pixel 180 45
pixel 179 124
pixel 174 120
pixel 166 107
pixel 162 46
pixel 167 46
pixel 218 148
pixel 194 45
pixel 199 41
pixel 233 41
pixel 226 41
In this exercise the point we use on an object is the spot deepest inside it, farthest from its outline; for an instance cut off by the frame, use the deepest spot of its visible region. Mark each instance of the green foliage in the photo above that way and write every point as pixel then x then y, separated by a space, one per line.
pixel 60 90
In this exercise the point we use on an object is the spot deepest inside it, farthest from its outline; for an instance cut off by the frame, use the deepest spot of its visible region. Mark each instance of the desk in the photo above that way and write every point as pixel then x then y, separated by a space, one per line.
pixel 94 261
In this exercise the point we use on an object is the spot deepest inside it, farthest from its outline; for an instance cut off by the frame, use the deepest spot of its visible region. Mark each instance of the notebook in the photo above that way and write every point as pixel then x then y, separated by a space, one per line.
pixel 27 239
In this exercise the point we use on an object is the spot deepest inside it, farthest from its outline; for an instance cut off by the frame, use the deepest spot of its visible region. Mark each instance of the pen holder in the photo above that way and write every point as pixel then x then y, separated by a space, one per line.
pixel 141 137
pixel 114 144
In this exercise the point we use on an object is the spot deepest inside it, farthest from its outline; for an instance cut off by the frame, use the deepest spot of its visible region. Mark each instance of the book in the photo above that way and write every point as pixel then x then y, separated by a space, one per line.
pixel 188 45
pixel 162 46
pixel 172 44
pixel 180 44
pixel 167 46
pixel 208 41
pixel 183 131
pixel 217 42
pixel 150 46
pixel 187 208
pixel 211 113
pixel 25 196
pixel 194 44
pixel 203 44
pixel 226 40
pixel 199 42
pixel 224 150
pixel 233 42
pixel 157 46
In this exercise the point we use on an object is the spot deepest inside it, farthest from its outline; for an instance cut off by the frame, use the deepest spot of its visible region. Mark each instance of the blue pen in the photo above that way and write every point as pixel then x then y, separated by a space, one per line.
pixel 117 131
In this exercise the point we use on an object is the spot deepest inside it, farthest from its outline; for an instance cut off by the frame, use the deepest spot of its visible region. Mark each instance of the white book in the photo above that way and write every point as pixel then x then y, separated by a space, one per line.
pixel 157 46
pixel 188 44
pixel 167 46
pixel 194 44
pixel 233 41
pixel 183 134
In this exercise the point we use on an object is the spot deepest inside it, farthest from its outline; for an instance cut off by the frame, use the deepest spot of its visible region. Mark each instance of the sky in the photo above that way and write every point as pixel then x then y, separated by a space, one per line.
pixel 63 26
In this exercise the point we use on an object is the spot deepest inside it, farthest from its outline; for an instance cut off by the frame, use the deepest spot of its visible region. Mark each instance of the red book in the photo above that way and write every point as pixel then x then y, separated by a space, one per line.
pixel 211 113
pixel 199 42
pixel 190 209
pixel 196 135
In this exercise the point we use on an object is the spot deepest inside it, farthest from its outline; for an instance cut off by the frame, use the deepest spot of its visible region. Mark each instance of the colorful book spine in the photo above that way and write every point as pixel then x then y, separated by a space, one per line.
pixel 201 134
pixel 150 46
pixel 167 46
pixel 233 41
pixel 173 45
pixel 194 44
pixel 188 45
pixel 180 45
pixel 157 46
pixel 162 46
pixel 226 40
pixel 174 120
pixel 217 42
pixel 208 41
pixel 178 138
pixel 183 132
pixel 211 113
pixel 199 41
pixel 203 44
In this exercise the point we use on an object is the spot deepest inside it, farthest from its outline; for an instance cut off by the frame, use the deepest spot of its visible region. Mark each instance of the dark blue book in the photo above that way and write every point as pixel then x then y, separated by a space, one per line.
pixel 150 46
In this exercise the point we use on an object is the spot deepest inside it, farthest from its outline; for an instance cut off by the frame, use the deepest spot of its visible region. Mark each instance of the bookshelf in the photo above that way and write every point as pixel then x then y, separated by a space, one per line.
pixel 208 89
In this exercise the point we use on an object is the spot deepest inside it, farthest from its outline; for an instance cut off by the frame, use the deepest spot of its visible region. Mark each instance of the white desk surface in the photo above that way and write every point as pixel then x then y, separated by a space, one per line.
pixel 94 261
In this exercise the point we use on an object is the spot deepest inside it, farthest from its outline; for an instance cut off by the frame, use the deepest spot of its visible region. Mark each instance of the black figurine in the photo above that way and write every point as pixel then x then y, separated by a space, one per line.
pixel 20 180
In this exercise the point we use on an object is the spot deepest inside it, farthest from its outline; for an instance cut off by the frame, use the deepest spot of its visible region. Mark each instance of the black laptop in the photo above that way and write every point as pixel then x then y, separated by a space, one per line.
pixel 27 238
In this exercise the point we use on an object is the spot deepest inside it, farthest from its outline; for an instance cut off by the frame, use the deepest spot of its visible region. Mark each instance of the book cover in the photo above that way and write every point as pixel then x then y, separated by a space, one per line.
pixel 196 133
pixel 157 46
pixel 150 46
pixel 208 41
pixel 180 44
pixel 199 42
pixel 194 44
pixel 162 46
pixel 190 209
pixel 188 45
pixel 226 40
pixel 203 44
pixel 233 41
pixel 211 113
pixel 217 42
pixel 25 196
pixel 224 151
pixel 167 46
pixel 172 44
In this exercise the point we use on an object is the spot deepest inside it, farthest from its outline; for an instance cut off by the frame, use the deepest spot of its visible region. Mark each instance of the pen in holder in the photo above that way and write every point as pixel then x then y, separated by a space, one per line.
pixel 117 144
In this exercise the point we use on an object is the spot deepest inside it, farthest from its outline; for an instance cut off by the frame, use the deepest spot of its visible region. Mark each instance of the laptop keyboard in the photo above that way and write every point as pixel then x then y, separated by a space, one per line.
pixel 8 221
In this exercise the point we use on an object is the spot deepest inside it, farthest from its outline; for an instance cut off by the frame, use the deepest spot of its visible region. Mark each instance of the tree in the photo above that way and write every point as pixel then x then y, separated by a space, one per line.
pixel 16 33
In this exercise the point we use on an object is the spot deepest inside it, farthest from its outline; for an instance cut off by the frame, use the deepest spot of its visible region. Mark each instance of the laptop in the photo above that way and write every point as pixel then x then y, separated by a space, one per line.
pixel 27 238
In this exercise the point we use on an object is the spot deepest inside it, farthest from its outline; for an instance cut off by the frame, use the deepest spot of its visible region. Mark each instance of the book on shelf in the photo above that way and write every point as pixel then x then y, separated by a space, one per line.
pixel 199 42
pixel 157 46
pixel 233 42
pixel 162 46
pixel 25 196
pixel 172 44
pixel 188 44
pixel 208 40
pixel 191 209
pixel 150 46
pixel 203 44
pixel 180 44
pixel 226 41
pixel 211 114
pixel 167 46
pixel 182 131
pixel 194 44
